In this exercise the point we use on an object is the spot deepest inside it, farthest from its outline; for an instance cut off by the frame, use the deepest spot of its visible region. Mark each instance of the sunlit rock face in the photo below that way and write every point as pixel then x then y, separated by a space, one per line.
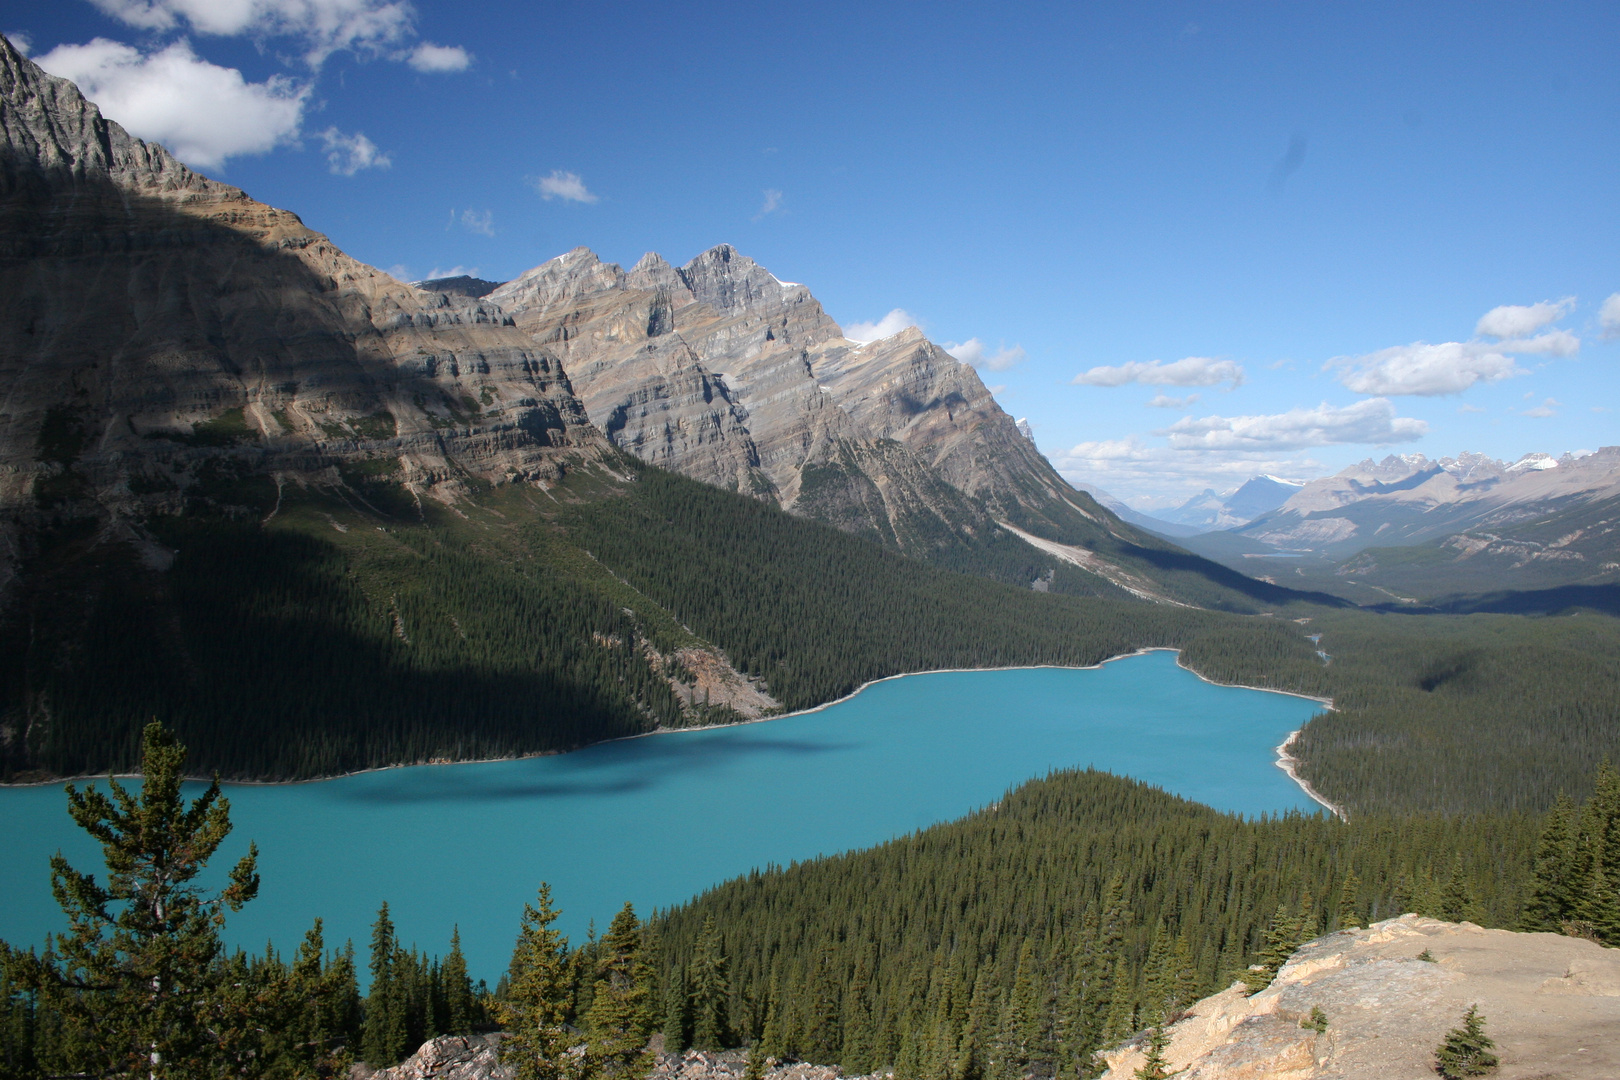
pixel 722 372
pixel 153 321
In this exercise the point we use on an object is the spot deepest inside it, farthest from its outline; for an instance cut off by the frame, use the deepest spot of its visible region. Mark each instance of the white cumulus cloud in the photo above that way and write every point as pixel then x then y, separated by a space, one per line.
pixel 977 354
pixel 1192 371
pixel 1371 421
pixel 431 58
pixel 566 186
pixel 1521 320
pixel 1423 369
pixel 325 26
pixel 1609 316
pixel 349 154
pixel 202 112
pixel 892 323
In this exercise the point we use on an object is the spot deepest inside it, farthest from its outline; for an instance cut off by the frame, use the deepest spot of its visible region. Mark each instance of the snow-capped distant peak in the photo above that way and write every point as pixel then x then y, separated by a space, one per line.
pixel 1532 462
pixel 1283 480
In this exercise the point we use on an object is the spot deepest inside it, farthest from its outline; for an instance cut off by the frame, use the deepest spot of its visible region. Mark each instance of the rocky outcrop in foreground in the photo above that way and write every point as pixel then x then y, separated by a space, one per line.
pixel 1551 1003
pixel 456 1057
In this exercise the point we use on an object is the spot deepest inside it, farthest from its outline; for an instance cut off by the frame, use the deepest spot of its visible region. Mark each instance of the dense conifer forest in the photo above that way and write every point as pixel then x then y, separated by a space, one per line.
pixel 1073 913
pixel 343 627
pixel 1016 942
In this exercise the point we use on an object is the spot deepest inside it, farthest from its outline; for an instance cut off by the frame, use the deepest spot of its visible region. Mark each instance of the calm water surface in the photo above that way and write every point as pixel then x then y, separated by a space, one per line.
pixel 655 820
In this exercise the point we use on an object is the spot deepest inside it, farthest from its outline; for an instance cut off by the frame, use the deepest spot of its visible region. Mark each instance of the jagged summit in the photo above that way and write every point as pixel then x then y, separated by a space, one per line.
pixel 52 134
pixel 225 330
pixel 720 370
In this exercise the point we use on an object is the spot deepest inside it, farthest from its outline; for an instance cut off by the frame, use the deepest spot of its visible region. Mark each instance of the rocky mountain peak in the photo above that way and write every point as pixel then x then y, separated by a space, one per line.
pixel 653 271
pixel 48 128
pixel 727 280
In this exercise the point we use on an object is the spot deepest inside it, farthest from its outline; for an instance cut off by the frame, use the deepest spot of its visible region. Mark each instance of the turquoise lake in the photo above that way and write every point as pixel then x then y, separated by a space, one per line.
pixel 658 819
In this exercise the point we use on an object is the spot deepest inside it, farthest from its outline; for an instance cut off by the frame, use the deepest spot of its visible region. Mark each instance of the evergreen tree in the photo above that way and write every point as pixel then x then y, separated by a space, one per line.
pixel 1155 1066
pixel 1456 900
pixel 1466 1050
pixel 138 985
pixel 711 992
pixel 460 1005
pixel 859 1054
pixel 621 1013
pixel 1281 941
pixel 384 1040
pixel 534 1012
pixel 1349 892
pixel 677 1012
pixel 824 1036
pixel 1551 899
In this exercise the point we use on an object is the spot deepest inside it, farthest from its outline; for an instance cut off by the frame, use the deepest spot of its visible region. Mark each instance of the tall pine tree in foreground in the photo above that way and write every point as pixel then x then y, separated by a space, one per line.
pixel 137 984
pixel 621 1012
pixel 534 1013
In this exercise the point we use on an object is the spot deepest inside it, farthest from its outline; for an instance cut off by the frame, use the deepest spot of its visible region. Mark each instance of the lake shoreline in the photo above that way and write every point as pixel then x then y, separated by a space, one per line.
pixel 1290 767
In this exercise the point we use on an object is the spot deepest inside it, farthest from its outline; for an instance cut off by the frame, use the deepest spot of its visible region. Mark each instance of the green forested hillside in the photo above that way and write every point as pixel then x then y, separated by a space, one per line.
pixel 322 629
pixel 1059 920
pixel 309 631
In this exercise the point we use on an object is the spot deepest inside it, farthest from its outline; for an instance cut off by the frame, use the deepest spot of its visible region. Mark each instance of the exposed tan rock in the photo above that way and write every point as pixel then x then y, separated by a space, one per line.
pixel 1551 1003
pixel 152 320
pixel 722 372
pixel 448 1057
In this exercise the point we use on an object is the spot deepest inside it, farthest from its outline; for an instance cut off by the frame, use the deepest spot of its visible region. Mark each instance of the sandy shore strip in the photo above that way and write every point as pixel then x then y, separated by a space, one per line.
pixel 1288 763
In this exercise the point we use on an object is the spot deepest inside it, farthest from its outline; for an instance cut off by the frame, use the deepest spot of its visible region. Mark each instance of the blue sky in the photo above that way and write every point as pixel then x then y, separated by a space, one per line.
pixel 1265 237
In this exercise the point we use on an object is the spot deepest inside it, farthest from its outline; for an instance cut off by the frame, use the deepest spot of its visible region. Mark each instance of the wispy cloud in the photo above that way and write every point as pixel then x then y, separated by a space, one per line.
pixel 1609 316
pixel 977 354
pixel 349 154
pixel 1165 401
pixel 1424 370
pixel 437 59
pixel 772 203
pixel 366 27
pixel 1371 421
pixel 892 323
pixel 482 223
pixel 1450 367
pixel 1192 371
pixel 1547 408
pixel 202 112
pixel 20 41
pixel 566 186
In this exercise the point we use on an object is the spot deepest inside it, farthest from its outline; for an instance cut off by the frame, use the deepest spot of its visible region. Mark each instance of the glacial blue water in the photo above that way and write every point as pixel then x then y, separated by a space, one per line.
pixel 658 819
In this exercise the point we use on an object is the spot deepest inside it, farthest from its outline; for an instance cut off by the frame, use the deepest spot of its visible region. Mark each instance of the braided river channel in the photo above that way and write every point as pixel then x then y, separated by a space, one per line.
pixel 658 819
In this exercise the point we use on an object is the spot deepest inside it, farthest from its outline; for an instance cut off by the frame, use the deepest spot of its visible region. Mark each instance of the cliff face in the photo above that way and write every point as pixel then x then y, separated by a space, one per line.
pixel 722 372
pixel 156 325
pixel 1551 1003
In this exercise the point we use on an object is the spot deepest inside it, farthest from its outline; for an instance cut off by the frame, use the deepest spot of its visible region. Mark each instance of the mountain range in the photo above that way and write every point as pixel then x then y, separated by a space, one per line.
pixel 246 473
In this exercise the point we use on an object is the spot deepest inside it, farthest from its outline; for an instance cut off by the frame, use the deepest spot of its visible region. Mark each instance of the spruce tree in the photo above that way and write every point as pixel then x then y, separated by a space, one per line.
pixel 677 1012
pixel 383 1038
pixel 621 1013
pixel 138 985
pixel 1281 941
pixel 1155 1065
pixel 1466 1050
pixel 1456 900
pixel 1551 900
pixel 460 1006
pixel 711 992
pixel 534 1012
pixel 1349 891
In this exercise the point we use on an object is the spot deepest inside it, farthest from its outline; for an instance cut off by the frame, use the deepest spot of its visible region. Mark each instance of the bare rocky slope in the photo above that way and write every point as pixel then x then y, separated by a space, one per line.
pixel 159 329
pixel 720 371
pixel 1551 1003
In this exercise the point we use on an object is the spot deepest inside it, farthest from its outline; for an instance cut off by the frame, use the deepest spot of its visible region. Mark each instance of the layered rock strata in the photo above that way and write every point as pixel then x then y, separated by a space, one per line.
pixel 722 372
pixel 156 325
